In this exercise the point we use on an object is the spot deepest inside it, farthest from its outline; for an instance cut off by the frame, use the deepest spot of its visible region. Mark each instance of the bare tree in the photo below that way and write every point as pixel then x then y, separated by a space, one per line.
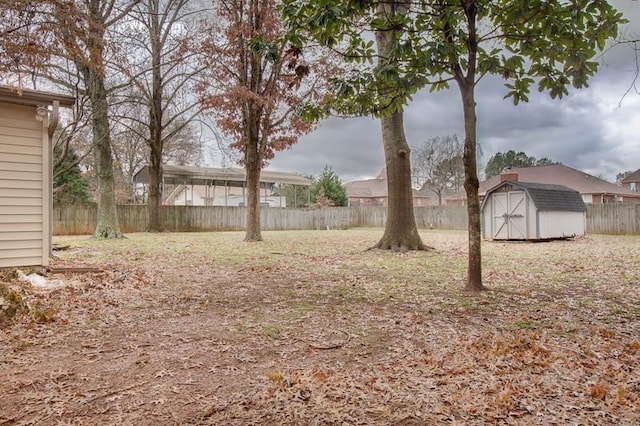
pixel 131 144
pixel 438 164
pixel 82 28
pixel 164 69
pixel 24 41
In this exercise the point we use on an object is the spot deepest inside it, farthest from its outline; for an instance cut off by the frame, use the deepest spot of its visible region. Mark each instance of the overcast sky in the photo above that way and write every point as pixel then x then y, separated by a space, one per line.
pixel 587 130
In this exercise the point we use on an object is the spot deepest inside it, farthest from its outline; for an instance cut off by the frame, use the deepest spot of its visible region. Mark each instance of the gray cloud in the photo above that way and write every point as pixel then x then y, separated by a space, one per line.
pixel 352 147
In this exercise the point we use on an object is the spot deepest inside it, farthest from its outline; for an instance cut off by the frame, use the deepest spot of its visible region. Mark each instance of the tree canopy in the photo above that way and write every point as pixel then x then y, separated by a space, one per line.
pixel 548 43
pixel 69 186
pixel 502 161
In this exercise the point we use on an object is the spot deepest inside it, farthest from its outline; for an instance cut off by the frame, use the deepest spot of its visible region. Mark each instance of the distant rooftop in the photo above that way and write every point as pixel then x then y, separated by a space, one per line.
pixel 633 177
pixel 373 188
pixel 218 176
pixel 556 174
pixel 567 176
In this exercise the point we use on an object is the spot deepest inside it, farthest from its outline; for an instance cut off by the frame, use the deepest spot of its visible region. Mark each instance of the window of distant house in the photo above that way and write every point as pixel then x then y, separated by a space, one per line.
pixel 633 186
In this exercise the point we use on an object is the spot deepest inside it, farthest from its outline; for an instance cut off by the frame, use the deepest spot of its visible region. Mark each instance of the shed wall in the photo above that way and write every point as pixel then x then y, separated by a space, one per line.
pixel 558 224
pixel 515 202
pixel 24 193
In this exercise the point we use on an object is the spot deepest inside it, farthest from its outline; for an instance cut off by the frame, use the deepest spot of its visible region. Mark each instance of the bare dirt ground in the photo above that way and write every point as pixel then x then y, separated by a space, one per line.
pixel 308 328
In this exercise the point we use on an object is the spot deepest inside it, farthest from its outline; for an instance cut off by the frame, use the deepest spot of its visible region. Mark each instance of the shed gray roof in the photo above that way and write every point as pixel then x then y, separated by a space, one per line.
pixel 548 197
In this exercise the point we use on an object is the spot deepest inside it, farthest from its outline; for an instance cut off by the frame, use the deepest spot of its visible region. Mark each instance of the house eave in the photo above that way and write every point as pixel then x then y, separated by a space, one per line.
pixel 33 97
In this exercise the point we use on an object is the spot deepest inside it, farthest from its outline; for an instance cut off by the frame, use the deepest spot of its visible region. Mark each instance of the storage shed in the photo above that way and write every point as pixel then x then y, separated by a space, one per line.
pixel 27 119
pixel 515 210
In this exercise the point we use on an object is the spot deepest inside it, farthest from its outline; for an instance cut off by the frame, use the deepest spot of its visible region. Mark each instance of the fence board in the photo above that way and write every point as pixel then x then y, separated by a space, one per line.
pixel 79 219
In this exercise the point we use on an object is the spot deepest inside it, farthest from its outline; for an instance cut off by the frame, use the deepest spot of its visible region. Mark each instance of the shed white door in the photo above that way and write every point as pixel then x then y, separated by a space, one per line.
pixel 509 215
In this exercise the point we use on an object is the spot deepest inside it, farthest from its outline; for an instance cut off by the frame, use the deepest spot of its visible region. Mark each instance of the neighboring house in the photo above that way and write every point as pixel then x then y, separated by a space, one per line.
pixel 373 192
pixel 216 186
pixel 514 210
pixel 591 188
pixel 632 182
pixel 202 195
pixel 27 121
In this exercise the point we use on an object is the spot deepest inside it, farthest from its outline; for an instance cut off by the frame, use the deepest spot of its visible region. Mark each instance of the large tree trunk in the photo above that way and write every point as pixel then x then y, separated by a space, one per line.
pixel 155 189
pixel 401 232
pixel 156 142
pixel 466 84
pixel 252 167
pixel 471 185
pixel 107 225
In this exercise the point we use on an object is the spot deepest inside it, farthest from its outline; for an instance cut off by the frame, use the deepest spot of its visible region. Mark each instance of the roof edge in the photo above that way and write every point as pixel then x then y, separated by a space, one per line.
pixel 633 177
pixel 228 174
pixel 523 185
pixel 34 97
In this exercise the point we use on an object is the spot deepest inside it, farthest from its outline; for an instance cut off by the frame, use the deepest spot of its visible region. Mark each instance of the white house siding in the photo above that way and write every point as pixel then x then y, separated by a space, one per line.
pixel 24 196
pixel 557 224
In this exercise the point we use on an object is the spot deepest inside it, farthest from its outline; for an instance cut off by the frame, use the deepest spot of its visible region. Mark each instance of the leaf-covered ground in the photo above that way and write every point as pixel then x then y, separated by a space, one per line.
pixel 310 328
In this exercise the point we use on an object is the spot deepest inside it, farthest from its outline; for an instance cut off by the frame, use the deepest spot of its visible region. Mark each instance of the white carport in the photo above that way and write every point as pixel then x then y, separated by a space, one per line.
pixel 188 181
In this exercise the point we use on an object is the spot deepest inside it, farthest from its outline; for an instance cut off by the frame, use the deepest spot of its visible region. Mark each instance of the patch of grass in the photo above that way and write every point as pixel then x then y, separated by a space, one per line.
pixel 526 325
pixel 468 304
pixel 298 311
pixel 630 313
pixel 585 301
pixel 272 332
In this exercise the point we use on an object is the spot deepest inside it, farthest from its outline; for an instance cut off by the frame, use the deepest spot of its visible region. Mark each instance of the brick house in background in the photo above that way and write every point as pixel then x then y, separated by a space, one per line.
pixel 373 192
pixel 632 182
pixel 591 188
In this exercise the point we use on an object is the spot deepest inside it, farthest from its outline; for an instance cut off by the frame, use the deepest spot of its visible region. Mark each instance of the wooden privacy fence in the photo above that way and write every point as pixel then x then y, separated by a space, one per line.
pixel 613 218
pixel 79 219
